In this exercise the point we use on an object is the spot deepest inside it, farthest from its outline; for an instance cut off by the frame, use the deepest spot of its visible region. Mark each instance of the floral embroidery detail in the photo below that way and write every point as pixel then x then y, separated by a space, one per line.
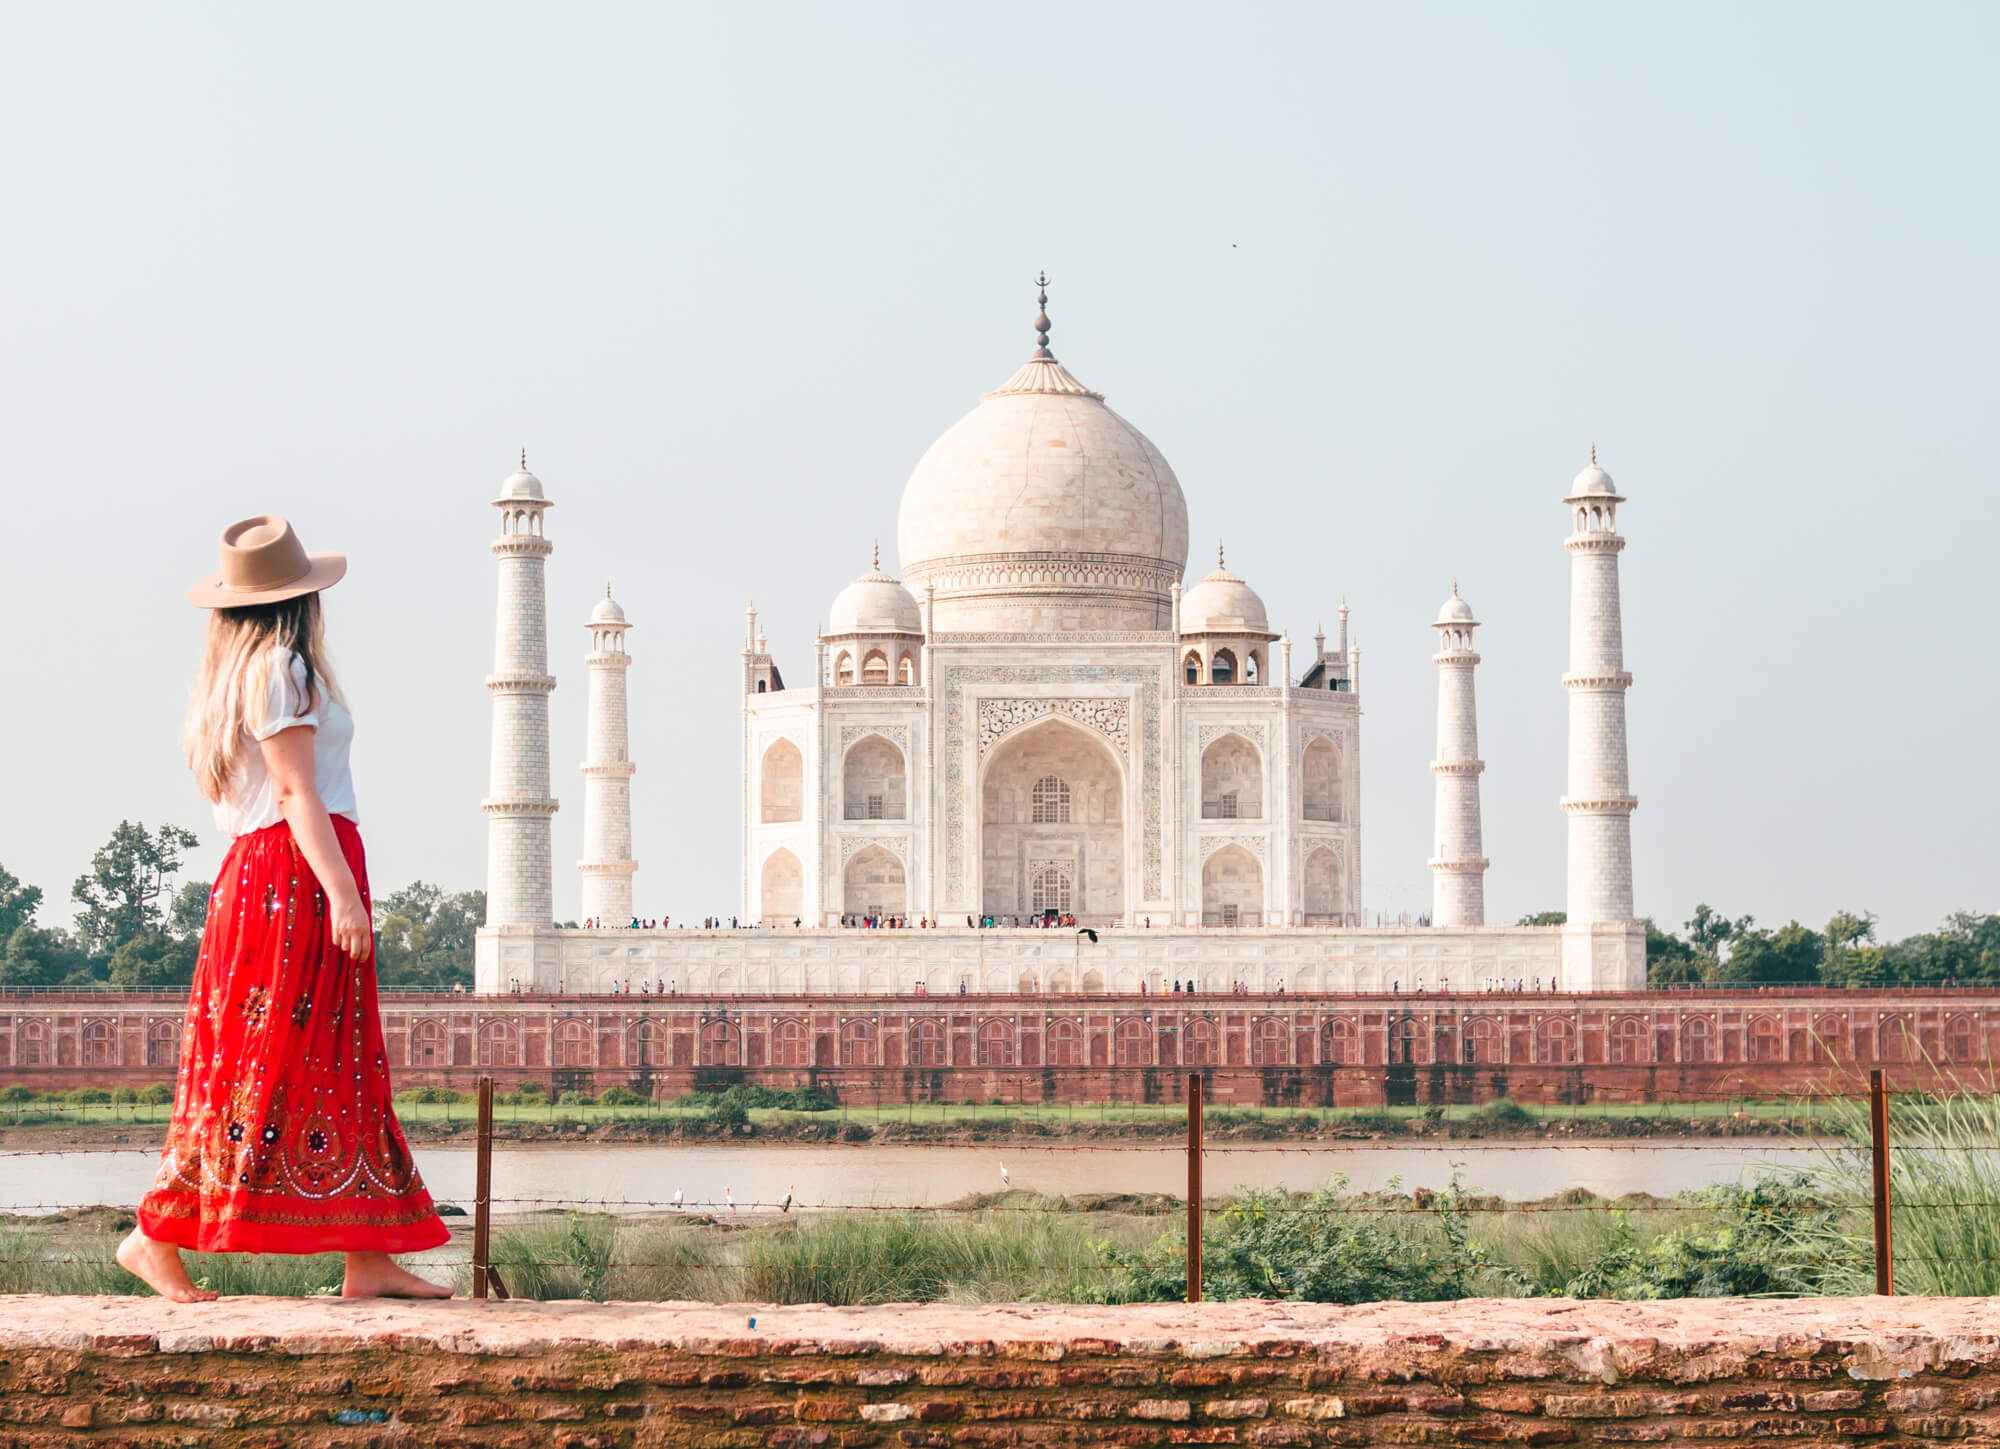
pixel 235 1131
pixel 269 1136
pixel 255 1003
pixel 301 1009
pixel 315 1141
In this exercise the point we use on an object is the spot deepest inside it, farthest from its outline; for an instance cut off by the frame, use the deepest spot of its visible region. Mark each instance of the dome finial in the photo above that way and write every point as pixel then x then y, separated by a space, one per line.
pixel 607 588
pixel 1454 588
pixel 1042 353
pixel 1593 455
pixel 878 556
pixel 524 460
pixel 1219 563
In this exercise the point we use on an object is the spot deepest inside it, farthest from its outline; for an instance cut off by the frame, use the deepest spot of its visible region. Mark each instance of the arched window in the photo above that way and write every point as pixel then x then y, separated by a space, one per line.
pixel 1267 1044
pixel 1222 668
pixel 1766 1040
pixel 1065 1044
pixel 427 1047
pixel 1253 668
pixel 1198 1044
pixel 875 668
pixel 843 669
pixel 163 1044
pixel 1135 1046
pixel 1698 1040
pixel 995 1046
pixel 97 1040
pixel 572 1045
pixel 926 1043
pixel 857 1044
pixel 498 1046
pixel 1555 1041
pixel 1627 1046
pixel 1192 668
pixel 906 670
pixel 790 1044
pixel 1343 1043
pixel 1051 801
pixel 1053 887
pixel 649 1045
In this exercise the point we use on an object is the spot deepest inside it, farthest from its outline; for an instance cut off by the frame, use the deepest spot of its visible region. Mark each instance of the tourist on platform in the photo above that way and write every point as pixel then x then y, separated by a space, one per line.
pixel 283 1138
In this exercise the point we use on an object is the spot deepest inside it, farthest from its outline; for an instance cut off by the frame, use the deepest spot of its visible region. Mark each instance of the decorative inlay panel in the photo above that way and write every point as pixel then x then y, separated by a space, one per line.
pixel 897 735
pixel 896 845
pixel 1252 843
pixel 1107 716
pixel 1208 734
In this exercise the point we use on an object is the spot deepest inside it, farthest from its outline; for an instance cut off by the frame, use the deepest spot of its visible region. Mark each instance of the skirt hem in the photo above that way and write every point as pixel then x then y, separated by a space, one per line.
pixel 196 1236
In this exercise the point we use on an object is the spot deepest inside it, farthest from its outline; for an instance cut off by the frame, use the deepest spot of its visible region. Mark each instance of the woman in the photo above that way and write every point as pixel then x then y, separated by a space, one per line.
pixel 283 1138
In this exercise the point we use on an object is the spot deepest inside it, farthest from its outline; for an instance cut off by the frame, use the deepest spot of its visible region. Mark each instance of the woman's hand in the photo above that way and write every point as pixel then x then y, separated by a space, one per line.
pixel 352 931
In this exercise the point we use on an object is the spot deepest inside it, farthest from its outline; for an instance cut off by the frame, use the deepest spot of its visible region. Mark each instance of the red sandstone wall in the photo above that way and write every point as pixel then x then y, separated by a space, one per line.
pixel 1272 1050
pixel 273 1374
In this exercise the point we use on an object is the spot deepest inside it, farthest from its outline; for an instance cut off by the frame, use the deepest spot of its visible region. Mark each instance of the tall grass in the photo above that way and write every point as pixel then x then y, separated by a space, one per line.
pixel 595 1256
pixel 1944 1194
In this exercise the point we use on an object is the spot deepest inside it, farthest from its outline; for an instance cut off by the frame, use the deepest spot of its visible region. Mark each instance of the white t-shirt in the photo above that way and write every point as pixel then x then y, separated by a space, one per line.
pixel 252 802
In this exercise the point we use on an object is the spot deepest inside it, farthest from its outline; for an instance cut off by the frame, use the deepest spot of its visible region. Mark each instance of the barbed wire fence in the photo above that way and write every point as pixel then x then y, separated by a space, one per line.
pixel 1188 1213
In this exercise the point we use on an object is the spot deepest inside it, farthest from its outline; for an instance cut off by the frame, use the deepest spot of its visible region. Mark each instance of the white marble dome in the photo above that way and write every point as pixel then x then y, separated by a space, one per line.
pixel 874 604
pixel 1223 604
pixel 1592 482
pixel 521 483
pixel 1042 509
pixel 608 611
pixel 1455 610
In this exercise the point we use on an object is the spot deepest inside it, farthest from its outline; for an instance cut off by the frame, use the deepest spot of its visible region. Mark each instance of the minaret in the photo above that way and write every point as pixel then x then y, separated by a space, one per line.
pixel 607 863
pixel 1599 802
pixel 520 885
pixel 1458 866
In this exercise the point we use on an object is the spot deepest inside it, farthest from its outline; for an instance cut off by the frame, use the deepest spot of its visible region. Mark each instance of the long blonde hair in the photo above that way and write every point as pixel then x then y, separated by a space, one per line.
pixel 234 682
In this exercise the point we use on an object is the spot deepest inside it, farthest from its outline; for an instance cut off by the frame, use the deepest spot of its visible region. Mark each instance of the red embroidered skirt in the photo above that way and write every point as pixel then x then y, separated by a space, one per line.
pixel 283 1137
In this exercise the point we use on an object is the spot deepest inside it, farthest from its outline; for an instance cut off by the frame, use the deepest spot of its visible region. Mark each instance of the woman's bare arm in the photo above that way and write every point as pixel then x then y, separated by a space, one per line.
pixel 288 755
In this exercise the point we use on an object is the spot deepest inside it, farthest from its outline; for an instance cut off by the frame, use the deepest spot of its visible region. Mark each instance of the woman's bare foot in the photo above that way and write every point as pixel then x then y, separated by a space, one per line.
pixel 375 1275
pixel 159 1266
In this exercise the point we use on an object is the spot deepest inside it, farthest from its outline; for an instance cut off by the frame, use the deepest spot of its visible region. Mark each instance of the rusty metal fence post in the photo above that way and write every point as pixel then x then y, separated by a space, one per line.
pixel 482 1191
pixel 1878 1141
pixel 1194 1188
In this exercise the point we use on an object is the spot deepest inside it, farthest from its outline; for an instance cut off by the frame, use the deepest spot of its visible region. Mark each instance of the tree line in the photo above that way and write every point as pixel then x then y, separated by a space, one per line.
pixel 1713 950
pixel 137 925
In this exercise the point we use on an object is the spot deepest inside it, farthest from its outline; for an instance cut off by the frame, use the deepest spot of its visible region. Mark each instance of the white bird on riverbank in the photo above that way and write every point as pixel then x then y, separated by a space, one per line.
pixel 728 1200
pixel 786 1205
pixel 1006 1177
pixel 677 1200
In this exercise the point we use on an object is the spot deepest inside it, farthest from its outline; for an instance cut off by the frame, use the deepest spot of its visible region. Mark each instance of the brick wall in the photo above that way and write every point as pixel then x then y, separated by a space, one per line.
pixel 272 1374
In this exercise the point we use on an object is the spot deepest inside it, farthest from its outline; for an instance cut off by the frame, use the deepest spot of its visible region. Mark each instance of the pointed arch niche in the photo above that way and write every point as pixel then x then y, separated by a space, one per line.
pixel 874 885
pixel 874 783
pixel 782 888
pixel 1052 810
pixel 1232 888
pixel 781 783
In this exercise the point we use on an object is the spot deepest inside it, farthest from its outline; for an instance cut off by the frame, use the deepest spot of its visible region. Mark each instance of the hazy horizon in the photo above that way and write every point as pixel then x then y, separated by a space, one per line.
pixel 1373 278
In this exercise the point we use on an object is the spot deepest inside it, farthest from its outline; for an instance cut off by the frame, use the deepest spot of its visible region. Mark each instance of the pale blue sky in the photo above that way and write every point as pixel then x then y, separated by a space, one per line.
pixel 1373 278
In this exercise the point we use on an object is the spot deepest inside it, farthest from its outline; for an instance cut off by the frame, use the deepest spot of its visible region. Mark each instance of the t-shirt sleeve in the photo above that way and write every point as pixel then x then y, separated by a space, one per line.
pixel 286 699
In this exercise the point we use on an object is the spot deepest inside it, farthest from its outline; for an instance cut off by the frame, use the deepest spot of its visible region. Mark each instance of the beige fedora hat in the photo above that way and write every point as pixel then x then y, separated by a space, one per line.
pixel 263 562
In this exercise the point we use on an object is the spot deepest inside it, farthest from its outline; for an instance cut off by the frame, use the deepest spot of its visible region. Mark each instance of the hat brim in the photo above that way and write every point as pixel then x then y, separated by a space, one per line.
pixel 327 569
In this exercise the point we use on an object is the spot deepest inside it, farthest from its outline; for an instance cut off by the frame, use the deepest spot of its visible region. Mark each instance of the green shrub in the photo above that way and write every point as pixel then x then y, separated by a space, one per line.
pixel 1505 1110
pixel 793 1099
pixel 14 1096
pixel 530 1089
pixel 429 1094
pixel 86 1096
pixel 157 1095
pixel 623 1097
pixel 124 1096
pixel 576 1099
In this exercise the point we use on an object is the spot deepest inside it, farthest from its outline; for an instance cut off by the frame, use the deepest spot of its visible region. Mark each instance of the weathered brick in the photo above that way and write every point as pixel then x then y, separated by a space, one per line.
pixel 1321 1406
pixel 1162 1409
pixel 1236 1408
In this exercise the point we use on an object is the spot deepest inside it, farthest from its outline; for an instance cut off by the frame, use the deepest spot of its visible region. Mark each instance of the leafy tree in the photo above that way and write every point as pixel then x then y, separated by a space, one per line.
pixel 153 958
pixel 119 900
pixel 1546 918
pixel 423 936
pixel 188 915
pixel 17 903
pixel 1792 953
pixel 1670 961
pixel 38 956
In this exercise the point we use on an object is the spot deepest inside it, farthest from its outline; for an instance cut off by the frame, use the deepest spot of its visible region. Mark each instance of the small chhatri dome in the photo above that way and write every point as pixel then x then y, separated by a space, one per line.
pixel 607 610
pixel 1455 610
pixel 875 603
pixel 1593 482
pixel 1222 604
pixel 521 483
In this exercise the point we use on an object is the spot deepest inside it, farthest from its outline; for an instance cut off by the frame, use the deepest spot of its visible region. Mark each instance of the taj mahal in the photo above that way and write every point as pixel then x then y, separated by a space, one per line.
pixel 1042 719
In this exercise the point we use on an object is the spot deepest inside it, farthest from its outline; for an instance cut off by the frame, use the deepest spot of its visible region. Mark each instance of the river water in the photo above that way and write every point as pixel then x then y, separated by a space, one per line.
pixel 639 1177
